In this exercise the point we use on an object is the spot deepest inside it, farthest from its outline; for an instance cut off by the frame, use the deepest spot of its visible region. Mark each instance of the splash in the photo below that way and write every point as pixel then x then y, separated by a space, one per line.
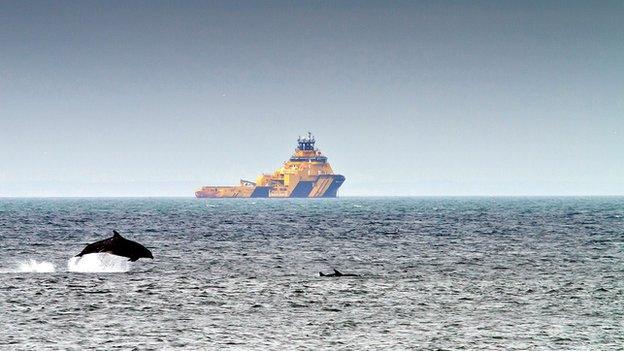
pixel 34 266
pixel 99 263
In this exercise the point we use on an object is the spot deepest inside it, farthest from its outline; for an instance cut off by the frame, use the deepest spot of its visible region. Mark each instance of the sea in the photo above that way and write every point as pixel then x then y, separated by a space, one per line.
pixel 433 273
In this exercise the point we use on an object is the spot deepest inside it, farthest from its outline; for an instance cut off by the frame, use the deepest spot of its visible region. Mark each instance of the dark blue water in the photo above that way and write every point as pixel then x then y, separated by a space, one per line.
pixel 435 273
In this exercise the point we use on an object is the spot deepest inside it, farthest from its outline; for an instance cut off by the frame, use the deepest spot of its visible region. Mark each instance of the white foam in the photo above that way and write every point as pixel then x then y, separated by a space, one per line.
pixel 34 266
pixel 99 263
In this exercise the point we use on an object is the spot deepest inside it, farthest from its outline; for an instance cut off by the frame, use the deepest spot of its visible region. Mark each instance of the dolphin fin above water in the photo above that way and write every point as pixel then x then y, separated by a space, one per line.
pixel 119 246
pixel 337 274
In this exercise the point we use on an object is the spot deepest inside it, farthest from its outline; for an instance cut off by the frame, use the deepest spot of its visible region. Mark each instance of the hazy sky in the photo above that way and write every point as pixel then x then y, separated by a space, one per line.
pixel 405 98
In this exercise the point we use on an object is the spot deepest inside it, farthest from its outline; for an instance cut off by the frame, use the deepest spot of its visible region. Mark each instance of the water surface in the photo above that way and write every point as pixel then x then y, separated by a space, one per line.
pixel 435 273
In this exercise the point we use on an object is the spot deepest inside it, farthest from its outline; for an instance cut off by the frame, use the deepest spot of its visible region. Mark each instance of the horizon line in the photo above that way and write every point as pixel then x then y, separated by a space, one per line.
pixel 338 197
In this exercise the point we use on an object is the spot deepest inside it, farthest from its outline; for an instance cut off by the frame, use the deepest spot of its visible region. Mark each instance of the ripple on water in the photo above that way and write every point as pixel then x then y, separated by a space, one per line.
pixel 435 273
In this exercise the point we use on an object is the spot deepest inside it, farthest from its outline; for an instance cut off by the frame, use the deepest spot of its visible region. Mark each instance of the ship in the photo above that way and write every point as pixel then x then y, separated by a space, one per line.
pixel 307 174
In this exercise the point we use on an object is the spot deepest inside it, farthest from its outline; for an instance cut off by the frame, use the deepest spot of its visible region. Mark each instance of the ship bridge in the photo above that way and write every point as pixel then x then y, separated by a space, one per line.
pixel 306 143
pixel 306 152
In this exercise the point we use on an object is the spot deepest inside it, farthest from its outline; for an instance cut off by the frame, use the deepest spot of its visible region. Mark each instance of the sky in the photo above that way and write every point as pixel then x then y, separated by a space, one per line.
pixel 406 98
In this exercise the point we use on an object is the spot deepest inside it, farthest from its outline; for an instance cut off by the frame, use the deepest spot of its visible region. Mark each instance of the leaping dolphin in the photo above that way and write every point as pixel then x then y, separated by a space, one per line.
pixel 337 274
pixel 118 245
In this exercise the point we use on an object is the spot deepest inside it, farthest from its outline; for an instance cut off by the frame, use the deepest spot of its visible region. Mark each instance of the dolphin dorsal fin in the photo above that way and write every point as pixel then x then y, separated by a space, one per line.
pixel 116 234
pixel 336 272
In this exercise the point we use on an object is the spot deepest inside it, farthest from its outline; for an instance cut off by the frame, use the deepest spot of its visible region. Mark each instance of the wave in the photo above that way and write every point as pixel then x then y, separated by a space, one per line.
pixel 99 263
pixel 32 266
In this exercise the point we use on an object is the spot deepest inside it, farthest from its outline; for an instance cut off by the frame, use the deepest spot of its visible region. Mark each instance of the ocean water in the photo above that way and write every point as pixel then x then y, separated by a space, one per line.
pixel 434 274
